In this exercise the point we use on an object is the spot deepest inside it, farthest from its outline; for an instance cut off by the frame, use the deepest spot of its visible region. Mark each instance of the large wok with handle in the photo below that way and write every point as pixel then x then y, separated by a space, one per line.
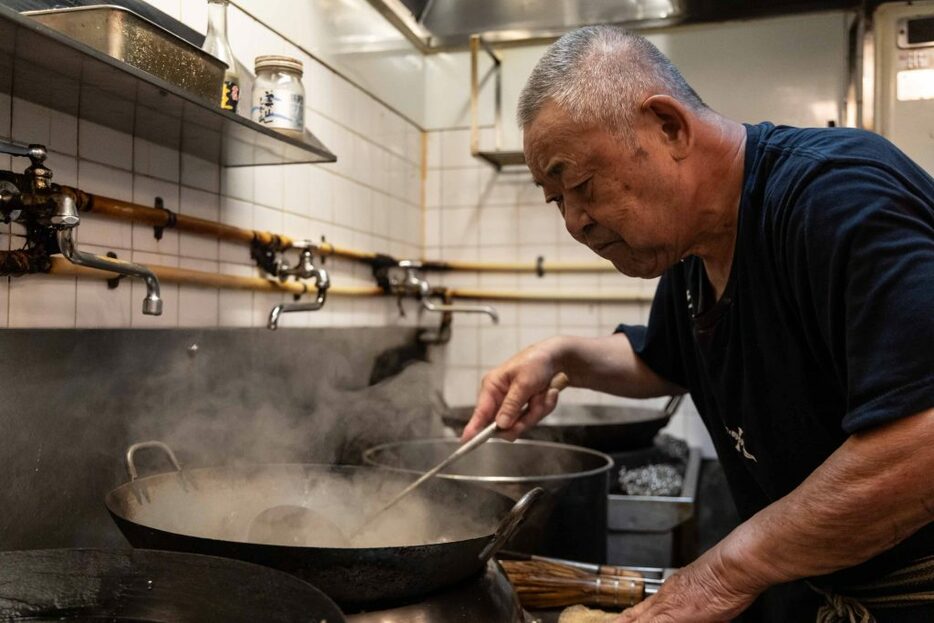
pixel 149 586
pixel 441 534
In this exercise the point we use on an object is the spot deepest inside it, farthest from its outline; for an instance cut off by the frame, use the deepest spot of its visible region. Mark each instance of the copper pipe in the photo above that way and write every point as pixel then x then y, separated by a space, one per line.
pixel 124 210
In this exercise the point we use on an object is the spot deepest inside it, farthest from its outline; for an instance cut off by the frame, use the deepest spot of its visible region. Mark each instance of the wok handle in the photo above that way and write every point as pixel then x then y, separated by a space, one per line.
pixel 131 466
pixel 511 522
pixel 672 405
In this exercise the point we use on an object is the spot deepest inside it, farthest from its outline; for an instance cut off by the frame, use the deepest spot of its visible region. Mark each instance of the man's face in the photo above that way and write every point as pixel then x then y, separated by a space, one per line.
pixel 622 200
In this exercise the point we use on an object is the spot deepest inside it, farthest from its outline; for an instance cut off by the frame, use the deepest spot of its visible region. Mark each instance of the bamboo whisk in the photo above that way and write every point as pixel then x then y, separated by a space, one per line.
pixel 542 584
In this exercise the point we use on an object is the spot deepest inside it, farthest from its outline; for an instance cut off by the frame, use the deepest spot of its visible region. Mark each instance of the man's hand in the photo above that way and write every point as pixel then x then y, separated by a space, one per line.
pixel 523 380
pixel 820 527
pixel 605 364
pixel 702 592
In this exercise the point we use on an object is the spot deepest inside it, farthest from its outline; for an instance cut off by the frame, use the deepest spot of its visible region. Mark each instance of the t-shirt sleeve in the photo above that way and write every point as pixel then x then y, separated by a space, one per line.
pixel 860 255
pixel 656 345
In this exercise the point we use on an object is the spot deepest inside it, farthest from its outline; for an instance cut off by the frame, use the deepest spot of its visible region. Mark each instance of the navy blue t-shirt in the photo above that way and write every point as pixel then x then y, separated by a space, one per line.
pixel 826 325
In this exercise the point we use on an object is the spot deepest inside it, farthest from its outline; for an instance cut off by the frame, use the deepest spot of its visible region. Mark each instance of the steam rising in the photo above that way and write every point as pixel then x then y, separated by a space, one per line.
pixel 289 415
pixel 265 421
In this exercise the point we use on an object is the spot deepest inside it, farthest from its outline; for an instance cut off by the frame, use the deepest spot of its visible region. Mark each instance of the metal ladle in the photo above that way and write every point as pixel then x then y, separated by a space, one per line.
pixel 559 382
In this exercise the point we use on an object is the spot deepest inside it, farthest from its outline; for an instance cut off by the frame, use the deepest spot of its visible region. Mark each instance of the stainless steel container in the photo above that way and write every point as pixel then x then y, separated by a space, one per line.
pixel 569 522
pixel 136 41
pixel 644 529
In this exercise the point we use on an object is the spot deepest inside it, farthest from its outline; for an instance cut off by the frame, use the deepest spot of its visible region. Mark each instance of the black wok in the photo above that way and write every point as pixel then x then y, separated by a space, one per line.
pixel 147 586
pixel 437 536
pixel 599 427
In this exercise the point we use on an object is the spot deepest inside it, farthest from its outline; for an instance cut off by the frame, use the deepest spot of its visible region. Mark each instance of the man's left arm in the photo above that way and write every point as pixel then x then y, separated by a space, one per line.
pixel 873 492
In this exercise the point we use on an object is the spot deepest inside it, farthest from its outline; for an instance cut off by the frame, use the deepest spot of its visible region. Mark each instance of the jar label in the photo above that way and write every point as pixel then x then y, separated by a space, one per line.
pixel 230 95
pixel 279 108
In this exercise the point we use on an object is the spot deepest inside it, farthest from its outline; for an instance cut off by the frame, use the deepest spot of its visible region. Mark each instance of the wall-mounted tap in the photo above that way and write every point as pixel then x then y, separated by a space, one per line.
pixel 50 214
pixel 412 282
pixel 304 269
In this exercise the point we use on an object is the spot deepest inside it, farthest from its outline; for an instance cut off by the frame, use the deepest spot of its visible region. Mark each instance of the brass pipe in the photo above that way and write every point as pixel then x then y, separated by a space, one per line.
pixel 184 276
pixel 544 296
pixel 327 249
pixel 520 267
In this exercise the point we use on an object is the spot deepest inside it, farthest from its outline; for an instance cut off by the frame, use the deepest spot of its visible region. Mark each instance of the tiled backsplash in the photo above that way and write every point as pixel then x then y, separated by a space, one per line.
pixel 370 199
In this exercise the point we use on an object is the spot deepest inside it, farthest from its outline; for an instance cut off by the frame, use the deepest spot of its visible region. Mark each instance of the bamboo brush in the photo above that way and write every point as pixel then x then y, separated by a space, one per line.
pixel 586 566
pixel 542 584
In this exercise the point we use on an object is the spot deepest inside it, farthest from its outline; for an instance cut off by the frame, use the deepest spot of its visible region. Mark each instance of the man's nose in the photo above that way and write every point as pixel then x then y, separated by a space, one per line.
pixel 576 220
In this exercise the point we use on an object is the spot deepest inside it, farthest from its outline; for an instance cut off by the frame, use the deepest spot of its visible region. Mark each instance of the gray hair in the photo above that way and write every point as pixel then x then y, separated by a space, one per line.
pixel 596 73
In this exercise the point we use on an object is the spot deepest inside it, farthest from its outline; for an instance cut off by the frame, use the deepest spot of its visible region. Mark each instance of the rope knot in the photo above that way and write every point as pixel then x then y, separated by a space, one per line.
pixel 842 609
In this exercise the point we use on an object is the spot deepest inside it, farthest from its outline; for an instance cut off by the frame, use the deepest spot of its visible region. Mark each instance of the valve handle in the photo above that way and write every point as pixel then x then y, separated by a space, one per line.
pixel 36 153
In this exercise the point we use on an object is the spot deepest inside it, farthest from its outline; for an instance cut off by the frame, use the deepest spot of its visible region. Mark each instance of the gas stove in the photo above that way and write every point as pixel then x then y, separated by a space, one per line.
pixel 489 598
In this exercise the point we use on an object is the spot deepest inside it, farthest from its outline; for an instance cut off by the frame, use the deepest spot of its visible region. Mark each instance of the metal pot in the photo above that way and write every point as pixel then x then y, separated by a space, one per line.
pixel 141 585
pixel 600 427
pixel 455 527
pixel 571 520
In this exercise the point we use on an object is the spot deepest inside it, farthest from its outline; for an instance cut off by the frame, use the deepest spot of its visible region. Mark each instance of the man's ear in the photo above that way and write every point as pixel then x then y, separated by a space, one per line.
pixel 674 123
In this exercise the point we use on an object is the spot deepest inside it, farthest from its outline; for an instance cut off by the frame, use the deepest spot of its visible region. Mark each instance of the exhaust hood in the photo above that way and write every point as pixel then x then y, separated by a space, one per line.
pixel 433 25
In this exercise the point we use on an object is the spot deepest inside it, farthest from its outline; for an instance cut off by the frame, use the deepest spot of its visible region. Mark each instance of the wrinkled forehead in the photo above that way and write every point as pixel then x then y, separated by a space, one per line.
pixel 549 142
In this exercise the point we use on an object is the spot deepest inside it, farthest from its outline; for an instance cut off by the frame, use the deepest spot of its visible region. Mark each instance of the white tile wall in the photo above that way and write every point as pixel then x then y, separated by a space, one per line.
pixel 42 301
pixel 370 199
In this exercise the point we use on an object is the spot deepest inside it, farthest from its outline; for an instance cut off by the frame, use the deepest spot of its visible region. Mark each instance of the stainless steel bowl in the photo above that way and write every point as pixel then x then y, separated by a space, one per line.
pixel 570 522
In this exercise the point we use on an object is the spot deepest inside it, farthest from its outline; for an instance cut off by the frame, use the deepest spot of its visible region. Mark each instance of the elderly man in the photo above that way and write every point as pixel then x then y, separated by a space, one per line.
pixel 796 305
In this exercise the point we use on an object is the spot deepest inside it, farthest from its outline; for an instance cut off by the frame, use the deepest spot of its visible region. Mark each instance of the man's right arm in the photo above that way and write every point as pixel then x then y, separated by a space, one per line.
pixel 605 364
pixel 609 365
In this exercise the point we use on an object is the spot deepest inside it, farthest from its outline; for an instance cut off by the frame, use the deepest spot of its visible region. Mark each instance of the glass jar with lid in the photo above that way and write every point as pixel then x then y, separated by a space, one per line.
pixel 278 94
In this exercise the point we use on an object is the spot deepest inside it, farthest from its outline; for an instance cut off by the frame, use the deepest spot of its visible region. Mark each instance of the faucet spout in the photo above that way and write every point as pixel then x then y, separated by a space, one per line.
pixel 152 304
pixel 465 309
pixel 322 282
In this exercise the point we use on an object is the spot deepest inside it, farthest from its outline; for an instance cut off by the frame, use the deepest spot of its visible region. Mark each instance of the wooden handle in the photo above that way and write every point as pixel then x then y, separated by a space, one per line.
pixel 559 381
pixel 554 592
pixel 541 584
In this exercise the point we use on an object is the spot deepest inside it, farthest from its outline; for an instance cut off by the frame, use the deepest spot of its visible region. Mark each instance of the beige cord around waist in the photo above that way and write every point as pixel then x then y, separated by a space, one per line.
pixel 909 586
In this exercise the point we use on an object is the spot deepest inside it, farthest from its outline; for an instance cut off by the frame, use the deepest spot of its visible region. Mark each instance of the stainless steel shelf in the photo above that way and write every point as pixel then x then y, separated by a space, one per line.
pixel 43 66
pixel 500 159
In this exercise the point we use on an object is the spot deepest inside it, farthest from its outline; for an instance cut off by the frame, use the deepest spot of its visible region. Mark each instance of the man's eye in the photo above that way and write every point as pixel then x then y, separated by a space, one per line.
pixel 558 200
pixel 582 186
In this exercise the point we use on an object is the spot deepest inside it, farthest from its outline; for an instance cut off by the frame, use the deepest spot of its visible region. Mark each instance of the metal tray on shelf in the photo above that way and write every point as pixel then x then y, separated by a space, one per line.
pixel 128 37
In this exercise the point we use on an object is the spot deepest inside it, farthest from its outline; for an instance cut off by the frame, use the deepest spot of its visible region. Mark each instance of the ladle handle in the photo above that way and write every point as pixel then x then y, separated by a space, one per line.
pixel 131 466
pixel 511 522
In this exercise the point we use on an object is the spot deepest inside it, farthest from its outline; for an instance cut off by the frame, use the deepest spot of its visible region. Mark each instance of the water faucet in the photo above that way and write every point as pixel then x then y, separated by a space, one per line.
pixel 304 269
pixel 46 207
pixel 414 282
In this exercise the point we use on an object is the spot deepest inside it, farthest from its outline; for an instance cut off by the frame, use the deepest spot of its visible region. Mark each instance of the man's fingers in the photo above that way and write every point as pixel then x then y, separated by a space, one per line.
pixel 550 401
pixel 529 417
pixel 511 408
pixel 488 401
pixel 634 614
